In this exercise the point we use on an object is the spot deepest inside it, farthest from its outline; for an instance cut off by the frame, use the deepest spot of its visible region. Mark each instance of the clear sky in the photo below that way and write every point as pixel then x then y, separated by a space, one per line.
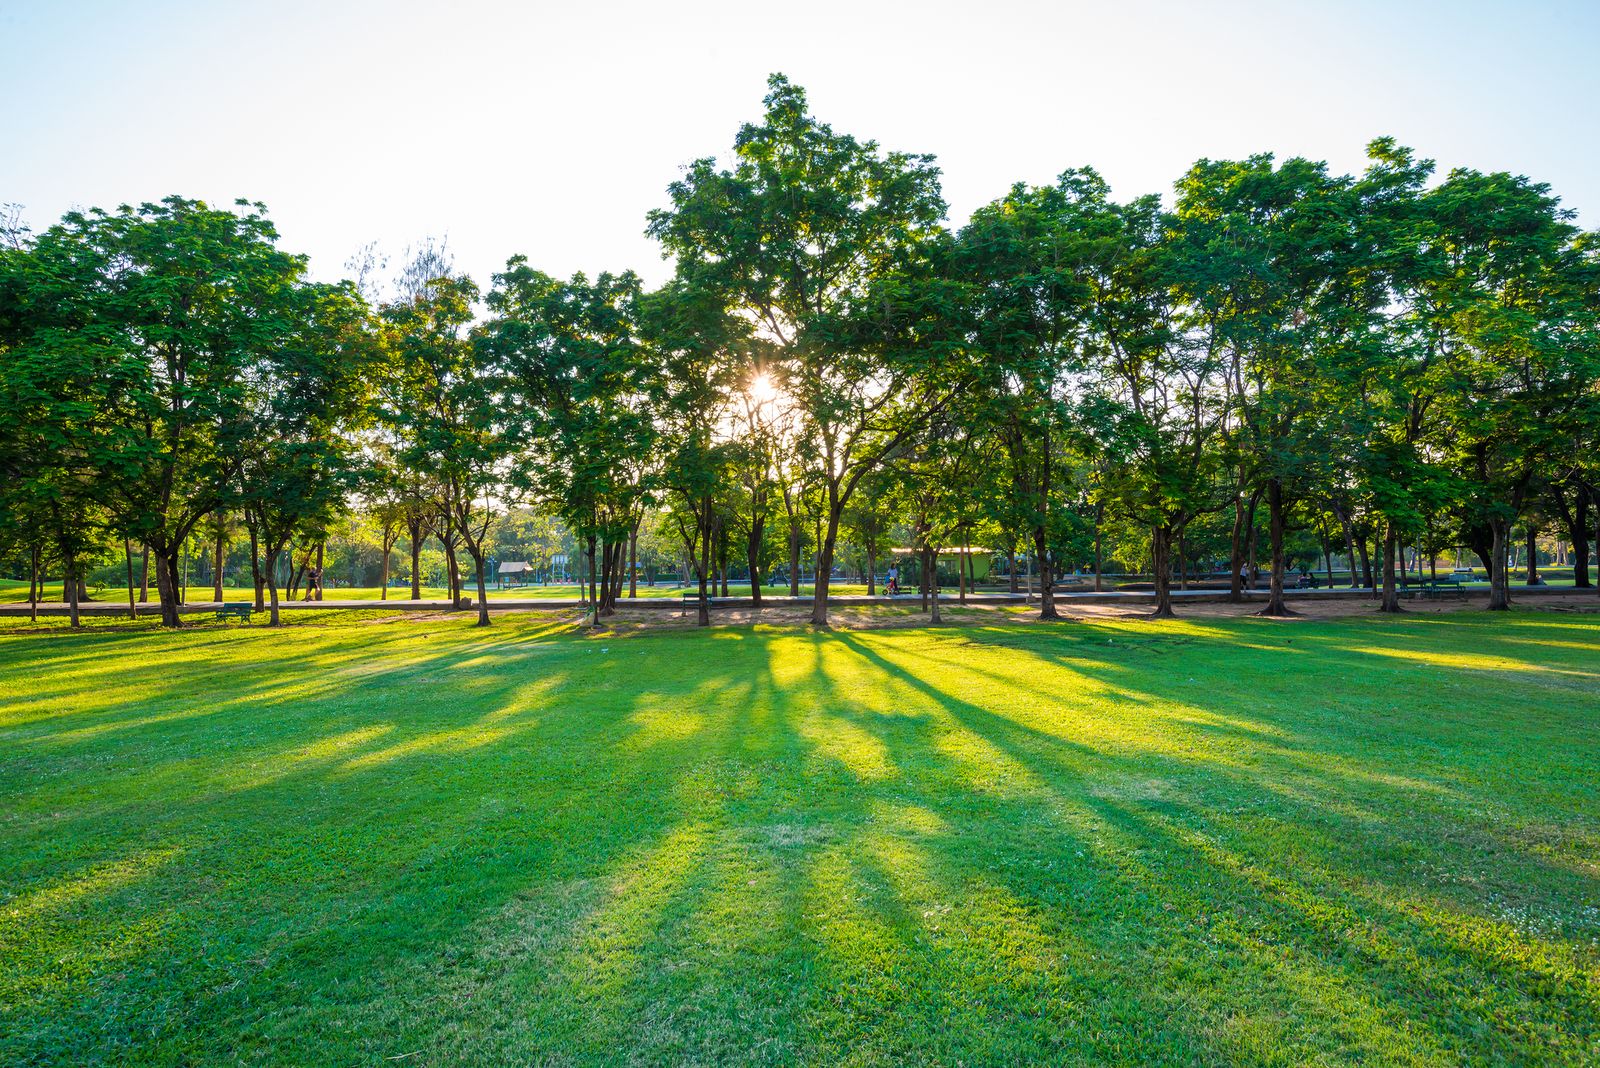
pixel 550 129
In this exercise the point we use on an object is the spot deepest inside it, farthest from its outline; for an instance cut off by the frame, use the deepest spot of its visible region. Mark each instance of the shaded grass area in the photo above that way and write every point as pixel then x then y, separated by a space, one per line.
pixel 1213 840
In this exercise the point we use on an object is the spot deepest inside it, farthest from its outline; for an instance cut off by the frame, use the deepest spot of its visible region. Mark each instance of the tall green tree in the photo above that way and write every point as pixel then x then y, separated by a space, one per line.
pixel 446 396
pixel 702 369
pixel 1516 299
pixel 175 307
pixel 309 395
pixel 1272 263
pixel 1157 390
pixel 1028 259
pixel 575 371
pixel 801 233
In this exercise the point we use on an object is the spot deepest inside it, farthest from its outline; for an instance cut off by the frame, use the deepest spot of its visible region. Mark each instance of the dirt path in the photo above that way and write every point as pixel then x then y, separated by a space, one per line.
pixel 868 617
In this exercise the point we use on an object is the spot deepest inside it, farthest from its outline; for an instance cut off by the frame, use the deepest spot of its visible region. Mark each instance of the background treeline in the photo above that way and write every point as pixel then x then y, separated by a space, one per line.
pixel 1353 364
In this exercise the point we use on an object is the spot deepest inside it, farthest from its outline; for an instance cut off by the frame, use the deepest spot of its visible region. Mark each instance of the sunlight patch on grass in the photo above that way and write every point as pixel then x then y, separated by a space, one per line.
pixel 100 879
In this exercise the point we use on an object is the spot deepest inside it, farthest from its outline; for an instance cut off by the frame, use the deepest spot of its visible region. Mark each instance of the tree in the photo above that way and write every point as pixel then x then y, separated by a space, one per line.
pixel 176 306
pixel 1028 257
pixel 801 234
pixel 1281 270
pixel 571 359
pixel 1516 300
pixel 1157 392
pixel 447 398
pixel 303 461
pixel 701 368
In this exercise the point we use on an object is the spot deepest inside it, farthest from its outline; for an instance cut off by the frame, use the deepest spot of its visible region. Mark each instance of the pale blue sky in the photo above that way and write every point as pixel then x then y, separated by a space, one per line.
pixel 550 129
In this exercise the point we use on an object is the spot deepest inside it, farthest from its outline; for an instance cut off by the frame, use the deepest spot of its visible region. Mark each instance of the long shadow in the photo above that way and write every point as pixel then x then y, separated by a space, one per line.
pixel 309 832
pixel 763 851
pixel 1366 980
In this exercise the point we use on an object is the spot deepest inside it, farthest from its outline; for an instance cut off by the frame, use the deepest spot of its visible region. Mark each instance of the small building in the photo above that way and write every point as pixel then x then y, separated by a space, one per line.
pixel 513 573
pixel 977 561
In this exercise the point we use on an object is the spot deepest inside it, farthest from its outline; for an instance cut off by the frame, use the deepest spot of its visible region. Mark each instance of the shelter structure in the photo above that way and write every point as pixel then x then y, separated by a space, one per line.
pixel 513 573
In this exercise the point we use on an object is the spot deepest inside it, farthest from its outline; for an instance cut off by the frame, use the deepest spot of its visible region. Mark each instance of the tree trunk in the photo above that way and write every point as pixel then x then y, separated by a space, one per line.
pixel 633 562
pixel 127 555
pixel 70 583
pixel 922 582
pixel 255 567
pixel 794 557
pixel 167 586
pixel 1099 561
pixel 216 563
pixel 414 529
pixel 594 601
pixel 274 617
pixel 453 571
pixel 295 570
pixel 144 576
pixel 1391 595
pixel 819 595
pixel 1276 605
pixel 1480 539
pixel 1250 540
pixel 930 580
pixel 753 558
pixel 1047 572
pixel 617 573
pixel 383 568
pixel 476 552
pixel 700 559
pixel 1580 540
pixel 1366 563
pixel 320 546
pixel 1161 564
pixel 1349 549
pixel 1533 555
pixel 1500 576
pixel 1011 571
pixel 1236 554
pixel 33 583
pixel 872 567
pixel 603 582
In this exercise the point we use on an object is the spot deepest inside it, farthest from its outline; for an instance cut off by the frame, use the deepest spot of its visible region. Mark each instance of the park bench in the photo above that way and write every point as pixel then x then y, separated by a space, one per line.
pixel 1444 586
pixel 239 611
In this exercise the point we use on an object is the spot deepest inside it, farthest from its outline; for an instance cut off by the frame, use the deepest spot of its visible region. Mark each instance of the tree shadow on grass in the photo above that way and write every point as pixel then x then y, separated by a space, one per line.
pixel 1313 854
pixel 335 791
pixel 776 847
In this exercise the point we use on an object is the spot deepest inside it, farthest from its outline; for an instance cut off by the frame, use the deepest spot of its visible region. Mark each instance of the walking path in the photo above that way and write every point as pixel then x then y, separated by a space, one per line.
pixel 674 604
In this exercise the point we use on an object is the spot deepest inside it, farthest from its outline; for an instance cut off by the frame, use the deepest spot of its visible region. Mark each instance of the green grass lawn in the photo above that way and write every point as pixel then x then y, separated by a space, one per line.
pixel 348 841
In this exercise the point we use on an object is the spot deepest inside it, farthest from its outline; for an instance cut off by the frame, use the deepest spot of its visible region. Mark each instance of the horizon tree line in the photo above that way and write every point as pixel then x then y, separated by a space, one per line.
pixel 1389 359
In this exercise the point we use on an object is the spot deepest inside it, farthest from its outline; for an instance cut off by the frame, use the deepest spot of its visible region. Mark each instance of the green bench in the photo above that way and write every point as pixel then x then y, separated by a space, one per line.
pixel 1443 586
pixel 234 611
